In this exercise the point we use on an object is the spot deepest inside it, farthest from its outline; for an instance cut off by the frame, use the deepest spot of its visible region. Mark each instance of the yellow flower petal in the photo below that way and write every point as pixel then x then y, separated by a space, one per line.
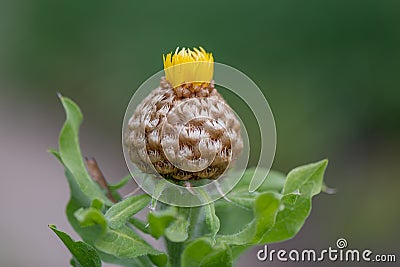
pixel 187 66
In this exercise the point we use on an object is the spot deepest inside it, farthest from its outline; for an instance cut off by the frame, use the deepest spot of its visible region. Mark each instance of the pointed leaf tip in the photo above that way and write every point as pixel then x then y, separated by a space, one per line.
pixel 83 254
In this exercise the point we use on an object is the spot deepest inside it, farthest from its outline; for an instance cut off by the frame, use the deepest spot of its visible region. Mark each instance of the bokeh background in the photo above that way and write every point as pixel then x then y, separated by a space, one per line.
pixel 329 69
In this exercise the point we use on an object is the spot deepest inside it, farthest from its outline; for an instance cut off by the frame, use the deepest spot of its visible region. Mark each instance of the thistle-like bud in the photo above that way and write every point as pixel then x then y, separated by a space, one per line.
pixel 184 129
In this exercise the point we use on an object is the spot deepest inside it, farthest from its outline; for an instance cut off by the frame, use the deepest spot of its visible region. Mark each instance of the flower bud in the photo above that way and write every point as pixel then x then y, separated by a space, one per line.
pixel 184 129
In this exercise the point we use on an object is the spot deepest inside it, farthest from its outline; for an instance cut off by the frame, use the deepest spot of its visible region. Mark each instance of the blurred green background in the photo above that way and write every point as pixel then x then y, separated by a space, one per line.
pixel 329 69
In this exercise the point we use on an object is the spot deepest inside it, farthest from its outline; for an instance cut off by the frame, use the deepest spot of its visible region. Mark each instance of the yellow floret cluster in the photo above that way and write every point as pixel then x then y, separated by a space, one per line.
pixel 188 66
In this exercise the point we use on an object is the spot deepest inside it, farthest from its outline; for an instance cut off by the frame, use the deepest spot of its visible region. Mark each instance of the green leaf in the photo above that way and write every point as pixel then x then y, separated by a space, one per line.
pixel 238 250
pixel 302 184
pixel 212 219
pixel 276 217
pixel 91 233
pixel 83 254
pixel 124 181
pixel 240 195
pixel 160 260
pixel 143 261
pixel 119 213
pixel 82 198
pixel 90 217
pixel 233 217
pixel 172 222
pixel 159 220
pixel 139 224
pixel 97 204
pixel 124 243
pixel 310 176
pixel 244 200
pixel 70 152
pixel 178 230
pixel 78 201
pixel 55 153
pixel 115 187
pixel 201 252
pixel 218 258
pixel 273 182
pixel 74 263
pixel 236 209
pixel 265 208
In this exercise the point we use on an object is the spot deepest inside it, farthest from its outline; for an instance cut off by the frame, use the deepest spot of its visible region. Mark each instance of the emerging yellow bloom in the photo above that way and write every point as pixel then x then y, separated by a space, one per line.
pixel 187 66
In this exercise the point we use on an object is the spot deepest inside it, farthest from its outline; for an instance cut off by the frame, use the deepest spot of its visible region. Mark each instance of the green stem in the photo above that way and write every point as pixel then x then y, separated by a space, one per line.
pixel 174 251
pixel 193 226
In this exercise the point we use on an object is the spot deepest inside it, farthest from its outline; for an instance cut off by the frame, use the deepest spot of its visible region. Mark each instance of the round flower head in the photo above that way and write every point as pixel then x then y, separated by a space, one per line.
pixel 184 129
